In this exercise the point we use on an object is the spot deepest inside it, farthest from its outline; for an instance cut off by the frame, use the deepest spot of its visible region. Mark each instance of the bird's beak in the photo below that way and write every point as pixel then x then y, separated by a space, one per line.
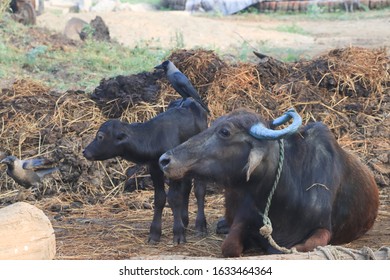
pixel 5 161
pixel 158 67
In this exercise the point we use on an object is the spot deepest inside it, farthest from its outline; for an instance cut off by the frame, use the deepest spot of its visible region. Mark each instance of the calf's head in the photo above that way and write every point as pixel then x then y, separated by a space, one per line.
pixel 230 150
pixel 109 141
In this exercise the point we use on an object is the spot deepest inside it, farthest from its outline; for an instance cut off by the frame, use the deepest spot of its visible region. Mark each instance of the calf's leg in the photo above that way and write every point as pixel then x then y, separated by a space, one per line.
pixel 186 186
pixel 175 200
pixel 159 202
pixel 222 226
pixel 200 193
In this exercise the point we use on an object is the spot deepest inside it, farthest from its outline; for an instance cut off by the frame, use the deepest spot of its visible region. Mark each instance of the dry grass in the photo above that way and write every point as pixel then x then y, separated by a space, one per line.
pixel 118 227
pixel 4 6
pixel 359 67
pixel 200 66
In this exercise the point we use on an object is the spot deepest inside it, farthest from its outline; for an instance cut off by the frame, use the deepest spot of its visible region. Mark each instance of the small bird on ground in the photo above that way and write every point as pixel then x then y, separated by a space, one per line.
pixel 180 82
pixel 28 173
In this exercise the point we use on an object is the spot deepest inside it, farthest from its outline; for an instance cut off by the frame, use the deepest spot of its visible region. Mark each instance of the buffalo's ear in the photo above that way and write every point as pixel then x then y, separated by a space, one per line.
pixel 254 159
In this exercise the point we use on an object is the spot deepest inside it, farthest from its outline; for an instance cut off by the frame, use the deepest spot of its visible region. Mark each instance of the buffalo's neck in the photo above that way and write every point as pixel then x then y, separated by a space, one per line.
pixel 294 184
pixel 261 180
pixel 141 146
pixel 264 181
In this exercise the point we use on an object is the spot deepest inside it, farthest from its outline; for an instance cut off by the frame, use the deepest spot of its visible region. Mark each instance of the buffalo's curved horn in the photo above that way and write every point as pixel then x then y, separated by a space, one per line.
pixel 261 132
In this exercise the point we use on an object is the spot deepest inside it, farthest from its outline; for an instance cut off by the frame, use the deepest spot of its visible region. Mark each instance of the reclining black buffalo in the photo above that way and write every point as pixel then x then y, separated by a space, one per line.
pixel 319 194
pixel 144 143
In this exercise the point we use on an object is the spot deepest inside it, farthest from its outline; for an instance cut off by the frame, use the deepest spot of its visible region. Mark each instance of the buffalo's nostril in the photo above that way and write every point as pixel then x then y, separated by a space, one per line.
pixel 87 155
pixel 164 161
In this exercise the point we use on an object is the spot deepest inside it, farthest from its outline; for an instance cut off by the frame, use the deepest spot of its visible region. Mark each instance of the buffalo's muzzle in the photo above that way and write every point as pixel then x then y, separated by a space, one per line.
pixel 171 167
pixel 88 155
pixel 164 162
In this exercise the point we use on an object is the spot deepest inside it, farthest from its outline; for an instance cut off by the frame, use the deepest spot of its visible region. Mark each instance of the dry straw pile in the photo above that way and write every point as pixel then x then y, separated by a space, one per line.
pixel 347 89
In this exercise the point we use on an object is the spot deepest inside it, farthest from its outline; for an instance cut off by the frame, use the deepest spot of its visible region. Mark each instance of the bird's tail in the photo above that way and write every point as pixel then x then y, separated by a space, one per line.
pixel 44 172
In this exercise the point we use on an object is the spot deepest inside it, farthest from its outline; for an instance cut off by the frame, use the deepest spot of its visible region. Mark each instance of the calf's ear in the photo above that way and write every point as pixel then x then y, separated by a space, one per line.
pixel 121 137
pixel 254 159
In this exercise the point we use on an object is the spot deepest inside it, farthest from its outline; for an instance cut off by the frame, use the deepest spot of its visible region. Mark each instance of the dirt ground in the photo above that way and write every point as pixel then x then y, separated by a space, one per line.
pixel 93 220
pixel 169 28
pixel 119 228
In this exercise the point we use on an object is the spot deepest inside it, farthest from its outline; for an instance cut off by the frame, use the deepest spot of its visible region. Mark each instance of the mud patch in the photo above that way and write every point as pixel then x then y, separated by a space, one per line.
pixel 97 30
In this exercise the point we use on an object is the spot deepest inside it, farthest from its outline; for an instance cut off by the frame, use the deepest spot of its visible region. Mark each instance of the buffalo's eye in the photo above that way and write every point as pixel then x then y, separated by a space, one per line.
pixel 224 132
pixel 100 136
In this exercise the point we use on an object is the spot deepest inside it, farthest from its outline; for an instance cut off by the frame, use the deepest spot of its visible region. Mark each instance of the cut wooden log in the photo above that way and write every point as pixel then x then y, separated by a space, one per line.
pixel 26 233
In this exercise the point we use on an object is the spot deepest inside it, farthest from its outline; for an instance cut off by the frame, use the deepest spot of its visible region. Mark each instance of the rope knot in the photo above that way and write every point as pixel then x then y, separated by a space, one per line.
pixel 266 231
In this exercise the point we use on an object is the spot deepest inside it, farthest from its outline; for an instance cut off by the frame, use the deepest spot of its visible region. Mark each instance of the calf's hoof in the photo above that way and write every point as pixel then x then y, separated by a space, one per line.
pixel 154 238
pixel 201 228
pixel 222 226
pixel 154 233
pixel 179 239
pixel 152 241
pixel 179 233
pixel 201 233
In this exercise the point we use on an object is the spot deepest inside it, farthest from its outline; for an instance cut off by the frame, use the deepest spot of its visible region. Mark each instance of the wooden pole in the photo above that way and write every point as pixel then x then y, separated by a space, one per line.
pixel 25 233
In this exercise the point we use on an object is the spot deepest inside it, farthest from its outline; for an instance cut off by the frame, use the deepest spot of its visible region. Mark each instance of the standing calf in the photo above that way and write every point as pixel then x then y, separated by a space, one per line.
pixel 144 143
pixel 324 194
